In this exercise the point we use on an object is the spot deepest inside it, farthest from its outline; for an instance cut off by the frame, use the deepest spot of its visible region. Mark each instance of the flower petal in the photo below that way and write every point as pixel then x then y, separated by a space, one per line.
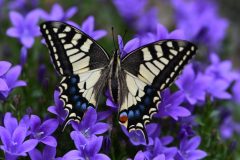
pixel 73 155
pixel 3 85
pixel 193 143
pixel 13 74
pixel 50 141
pixel 88 25
pixel 160 157
pixel 27 146
pixel 16 18
pixel 94 145
pixel 19 84
pixel 35 122
pixel 49 126
pixel 196 154
pixel 10 122
pixel 70 12
pixel 5 136
pixel 101 157
pixel 99 128
pixel 98 34
pixel 79 139
pixel 27 41
pixel 13 32
pixel 49 153
pixel 89 118
pixel 32 17
pixel 4 67
pixel 35 155
pixel 19 135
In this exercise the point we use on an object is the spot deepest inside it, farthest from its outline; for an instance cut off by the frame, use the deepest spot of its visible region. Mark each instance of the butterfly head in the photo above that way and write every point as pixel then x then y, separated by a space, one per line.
pixel 116 57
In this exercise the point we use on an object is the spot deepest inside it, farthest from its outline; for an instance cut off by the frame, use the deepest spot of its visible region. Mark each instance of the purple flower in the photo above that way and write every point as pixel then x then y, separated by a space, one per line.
pixel 13 136
pixel 188 149
pixel 221 69
pixel 186 127
pixel 129 46
pixel 24 28
pixel 222 76
pixel 236 91
pixel 217 89
pixel 42 132
pixel 9 79
pixel 22 5
pixel 160 33
pixel 130 9
pixel 228 127
pixel 58 108
pixel 48 153
pixel 57 13
pixel 199 19
pixel 142 155
pixel 88 27
pixel 157 34
pixel 170 105
pixel 87 148
pixel 136 137
pixel 147 22
pixel 134 14
pixel 89 125
pixel 158 151
pixel 194 86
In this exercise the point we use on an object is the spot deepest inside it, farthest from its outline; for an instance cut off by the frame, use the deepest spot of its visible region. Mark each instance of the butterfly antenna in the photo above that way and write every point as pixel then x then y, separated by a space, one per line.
pixel 125 32
pixel 113 37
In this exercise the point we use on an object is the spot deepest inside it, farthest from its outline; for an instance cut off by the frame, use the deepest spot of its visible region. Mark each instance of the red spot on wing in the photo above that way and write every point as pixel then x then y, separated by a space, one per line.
pixel 123 118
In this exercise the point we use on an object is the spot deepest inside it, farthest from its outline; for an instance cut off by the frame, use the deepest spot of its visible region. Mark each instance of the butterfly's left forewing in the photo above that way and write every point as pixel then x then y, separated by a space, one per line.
pixel 147 71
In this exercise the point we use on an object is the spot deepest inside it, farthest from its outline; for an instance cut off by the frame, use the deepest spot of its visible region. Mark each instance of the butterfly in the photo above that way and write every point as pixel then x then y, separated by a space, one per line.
pixel 134 81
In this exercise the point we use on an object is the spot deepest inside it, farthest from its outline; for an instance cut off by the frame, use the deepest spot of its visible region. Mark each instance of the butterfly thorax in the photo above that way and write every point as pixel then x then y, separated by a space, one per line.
pixel 113 82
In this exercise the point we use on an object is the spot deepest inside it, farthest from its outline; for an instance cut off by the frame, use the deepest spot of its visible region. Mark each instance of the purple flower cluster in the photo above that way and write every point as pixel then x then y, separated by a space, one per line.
pixel 215 81
pixel 88 27
pixel 26 28
pixel 57 13
pixel 135 14
pixel 200 21
pixel 85 134
pixel 9 78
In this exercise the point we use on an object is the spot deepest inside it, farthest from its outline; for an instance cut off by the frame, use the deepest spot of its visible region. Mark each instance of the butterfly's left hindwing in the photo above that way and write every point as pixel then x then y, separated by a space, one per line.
pixel 79 92
pixel 148 70
pixel 81 62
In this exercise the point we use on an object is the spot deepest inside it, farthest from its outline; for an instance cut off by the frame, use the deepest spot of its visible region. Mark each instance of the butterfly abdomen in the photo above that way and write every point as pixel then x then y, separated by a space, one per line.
pixel 114 84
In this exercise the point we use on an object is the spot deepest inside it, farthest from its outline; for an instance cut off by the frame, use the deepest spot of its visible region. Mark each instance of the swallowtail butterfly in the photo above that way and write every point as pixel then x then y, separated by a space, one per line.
pixel 134 82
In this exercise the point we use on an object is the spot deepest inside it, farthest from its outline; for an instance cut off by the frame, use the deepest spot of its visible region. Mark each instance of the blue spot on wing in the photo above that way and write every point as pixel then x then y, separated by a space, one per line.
pixel 74 97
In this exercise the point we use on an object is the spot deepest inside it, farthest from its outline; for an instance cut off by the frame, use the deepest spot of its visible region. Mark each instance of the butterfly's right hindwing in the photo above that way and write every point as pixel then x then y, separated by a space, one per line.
pixel 71 50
